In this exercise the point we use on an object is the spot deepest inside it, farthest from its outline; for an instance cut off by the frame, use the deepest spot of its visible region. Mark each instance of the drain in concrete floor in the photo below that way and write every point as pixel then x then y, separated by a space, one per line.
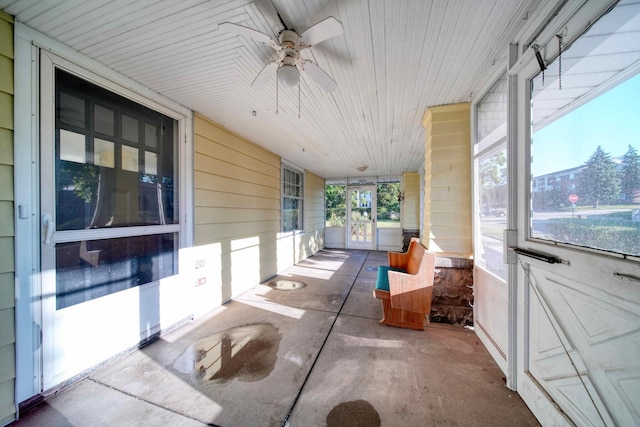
pixel 286 285
pixel 248 353
pixel 355 413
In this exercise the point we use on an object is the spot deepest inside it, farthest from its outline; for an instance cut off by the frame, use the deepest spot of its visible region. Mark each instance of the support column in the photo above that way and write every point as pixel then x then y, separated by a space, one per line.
pixel 447 211
pixel 447 198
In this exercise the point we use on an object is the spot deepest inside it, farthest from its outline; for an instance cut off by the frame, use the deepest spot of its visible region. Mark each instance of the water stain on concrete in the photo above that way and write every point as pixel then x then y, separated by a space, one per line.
pixel 356 413
pixel 248 353
pixel 286 285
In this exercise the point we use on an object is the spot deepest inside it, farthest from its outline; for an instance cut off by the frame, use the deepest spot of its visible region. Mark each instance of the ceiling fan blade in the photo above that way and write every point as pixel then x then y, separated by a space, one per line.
pixel 323 30
pixel 319 76
pixel 271 15
pixel 265 75
pixel 246 32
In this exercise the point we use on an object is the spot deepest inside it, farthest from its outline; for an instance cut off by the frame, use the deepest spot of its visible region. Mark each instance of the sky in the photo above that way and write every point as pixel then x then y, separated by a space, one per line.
pixel 611 120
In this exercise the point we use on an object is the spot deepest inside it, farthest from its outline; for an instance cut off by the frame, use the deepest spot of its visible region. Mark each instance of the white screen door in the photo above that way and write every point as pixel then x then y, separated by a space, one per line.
pixel 578 274
pixel 361 217
pixel 109 215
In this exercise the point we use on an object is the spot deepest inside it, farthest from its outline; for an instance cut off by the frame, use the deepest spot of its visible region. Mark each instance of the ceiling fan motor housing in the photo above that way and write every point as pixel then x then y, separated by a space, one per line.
pixel 288 38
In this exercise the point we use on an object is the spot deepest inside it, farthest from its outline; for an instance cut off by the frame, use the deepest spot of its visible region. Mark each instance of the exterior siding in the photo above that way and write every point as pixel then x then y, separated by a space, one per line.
pixel 7 263
pixel 411 203
pixel 314 219
pixel 237 213
pixel 237 197
pixel 447 210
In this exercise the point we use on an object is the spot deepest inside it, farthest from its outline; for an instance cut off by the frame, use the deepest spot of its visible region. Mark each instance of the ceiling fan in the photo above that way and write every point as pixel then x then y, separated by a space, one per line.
pixel 288 47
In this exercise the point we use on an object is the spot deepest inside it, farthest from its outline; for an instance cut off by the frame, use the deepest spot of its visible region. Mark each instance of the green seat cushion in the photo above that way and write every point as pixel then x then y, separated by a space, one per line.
pixel 382 282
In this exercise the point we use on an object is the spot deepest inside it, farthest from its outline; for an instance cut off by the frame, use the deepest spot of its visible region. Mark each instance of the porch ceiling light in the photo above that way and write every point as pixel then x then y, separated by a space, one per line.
pixel 288 75
pixel 362 168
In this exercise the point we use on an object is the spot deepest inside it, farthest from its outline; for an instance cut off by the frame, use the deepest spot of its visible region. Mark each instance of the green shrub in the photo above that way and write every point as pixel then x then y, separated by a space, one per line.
pixel 613 232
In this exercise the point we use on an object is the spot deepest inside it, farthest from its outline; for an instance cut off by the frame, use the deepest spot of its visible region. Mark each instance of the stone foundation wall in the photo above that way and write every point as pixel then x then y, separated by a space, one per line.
pixel 407 234
pixel 453 292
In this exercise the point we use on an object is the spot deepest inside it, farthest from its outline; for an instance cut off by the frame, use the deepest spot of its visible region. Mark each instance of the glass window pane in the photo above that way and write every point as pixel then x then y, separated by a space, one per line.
pixel 129 128
pixel 130 158
pixel 150 163
pixel 492 113
pixel 104 121
pixel 151 135
pixel 585 167
pixel 112 191
pixel 290 214
pixel 87 270
pixel 388 205
pixel 336 207
pixel 103 153
pixel 72 110
pixel 72 146
pixel 492 175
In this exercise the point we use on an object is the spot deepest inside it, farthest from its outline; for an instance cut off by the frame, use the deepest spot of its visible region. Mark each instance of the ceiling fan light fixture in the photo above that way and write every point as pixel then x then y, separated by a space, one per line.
pixel 288 75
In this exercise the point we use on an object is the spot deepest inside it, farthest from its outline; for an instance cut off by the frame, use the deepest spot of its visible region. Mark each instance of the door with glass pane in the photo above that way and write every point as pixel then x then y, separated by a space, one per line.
pixel 361 218
pixel 109 221
pixel 579 229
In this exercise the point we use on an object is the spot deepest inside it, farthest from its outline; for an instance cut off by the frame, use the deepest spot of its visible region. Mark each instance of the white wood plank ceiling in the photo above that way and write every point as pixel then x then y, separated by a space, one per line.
pixel 395 59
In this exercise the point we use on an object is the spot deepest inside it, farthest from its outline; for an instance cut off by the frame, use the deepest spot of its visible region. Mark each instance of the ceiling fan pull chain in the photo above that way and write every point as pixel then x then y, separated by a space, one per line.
pixel 277 96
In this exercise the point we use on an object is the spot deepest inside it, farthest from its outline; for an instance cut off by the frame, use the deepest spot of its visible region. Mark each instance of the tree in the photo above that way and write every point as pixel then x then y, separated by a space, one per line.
pixel 599 181
pixel 548 199
pixel 630 179
pixel 493 179
pixel 388 201
pixel 336 204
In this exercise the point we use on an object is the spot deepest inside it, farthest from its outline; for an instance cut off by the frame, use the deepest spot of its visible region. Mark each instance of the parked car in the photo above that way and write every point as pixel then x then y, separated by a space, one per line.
pixel 493 212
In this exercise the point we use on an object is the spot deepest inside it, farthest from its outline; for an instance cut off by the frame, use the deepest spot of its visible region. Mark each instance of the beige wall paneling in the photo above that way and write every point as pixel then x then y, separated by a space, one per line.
pixel 237 214
pixel 7 260
pixel 447 210
pixel 411 202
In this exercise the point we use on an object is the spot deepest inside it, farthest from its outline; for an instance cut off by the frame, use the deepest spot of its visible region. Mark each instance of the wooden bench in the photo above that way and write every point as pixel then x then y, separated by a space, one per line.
pixel 405 286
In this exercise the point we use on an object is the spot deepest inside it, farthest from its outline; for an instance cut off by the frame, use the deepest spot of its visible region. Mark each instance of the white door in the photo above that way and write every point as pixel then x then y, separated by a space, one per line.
pixel 579 264
pixel 361 217
pixel 109 220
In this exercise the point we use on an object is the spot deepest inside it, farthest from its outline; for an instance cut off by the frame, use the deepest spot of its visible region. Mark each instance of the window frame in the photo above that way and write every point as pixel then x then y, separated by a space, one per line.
pixel 287 167
pixel 489 145
pixel 575 28
pixel 182 227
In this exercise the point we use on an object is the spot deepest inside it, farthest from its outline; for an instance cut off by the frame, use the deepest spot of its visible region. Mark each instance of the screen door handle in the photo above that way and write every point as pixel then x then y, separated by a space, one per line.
pixel 47 221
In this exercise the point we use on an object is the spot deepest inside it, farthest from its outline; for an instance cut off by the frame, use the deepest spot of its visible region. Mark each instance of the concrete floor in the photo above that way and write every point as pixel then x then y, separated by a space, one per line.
pixel 310 356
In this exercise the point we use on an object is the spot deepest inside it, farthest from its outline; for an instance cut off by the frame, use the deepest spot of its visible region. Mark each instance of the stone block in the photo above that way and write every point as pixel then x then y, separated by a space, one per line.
pixel 453 291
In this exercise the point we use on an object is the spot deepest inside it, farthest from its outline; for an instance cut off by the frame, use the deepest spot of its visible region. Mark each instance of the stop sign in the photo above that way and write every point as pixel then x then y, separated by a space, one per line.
pixel 573 198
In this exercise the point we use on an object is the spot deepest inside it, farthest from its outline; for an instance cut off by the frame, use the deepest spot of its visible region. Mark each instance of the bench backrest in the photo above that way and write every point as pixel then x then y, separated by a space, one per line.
pixel 415 258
